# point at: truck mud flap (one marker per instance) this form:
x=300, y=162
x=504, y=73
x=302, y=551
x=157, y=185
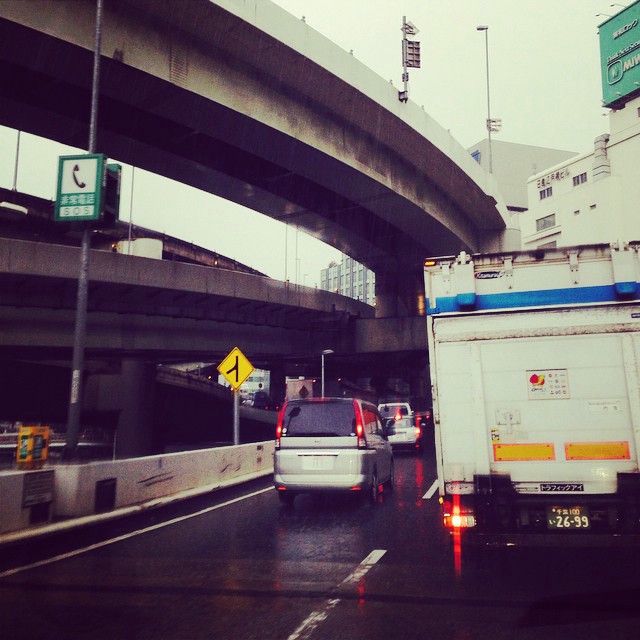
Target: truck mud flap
x=629, y=492
x=494, y=502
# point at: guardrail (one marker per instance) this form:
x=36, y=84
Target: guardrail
x=32, y=498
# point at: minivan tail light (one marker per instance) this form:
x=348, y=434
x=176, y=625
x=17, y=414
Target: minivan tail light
x=362, y=443
x=279, y=426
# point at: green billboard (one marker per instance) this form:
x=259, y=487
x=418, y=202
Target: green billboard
x=620, y=56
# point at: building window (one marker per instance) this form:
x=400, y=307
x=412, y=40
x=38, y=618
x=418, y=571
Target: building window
x=546, y=222
x=548, y=245
x=546, y=193
x=580, y=179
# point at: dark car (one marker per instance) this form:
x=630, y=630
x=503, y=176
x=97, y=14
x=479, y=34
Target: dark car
x=262, y=400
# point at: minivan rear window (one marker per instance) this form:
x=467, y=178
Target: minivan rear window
x=319, y=419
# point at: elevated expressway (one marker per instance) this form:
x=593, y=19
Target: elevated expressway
x=241, y=99
x=145, y=311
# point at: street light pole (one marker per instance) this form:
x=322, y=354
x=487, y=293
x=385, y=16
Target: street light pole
x=485, y=28
x=75, y=399
x=326, y=352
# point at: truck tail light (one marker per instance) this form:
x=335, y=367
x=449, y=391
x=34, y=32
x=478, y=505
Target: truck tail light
x=457, y=517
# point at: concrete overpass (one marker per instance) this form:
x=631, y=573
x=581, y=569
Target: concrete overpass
x=145, y=311
x=243, y=100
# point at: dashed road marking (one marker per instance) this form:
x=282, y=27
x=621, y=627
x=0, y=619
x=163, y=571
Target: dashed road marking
x=304, y=631
x=432, y=489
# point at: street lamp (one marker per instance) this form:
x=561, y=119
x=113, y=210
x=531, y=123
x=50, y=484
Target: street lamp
x=326, y=352
x=485, y=28
x=493, y=124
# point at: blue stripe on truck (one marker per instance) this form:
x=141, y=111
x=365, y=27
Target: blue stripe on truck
x=542, y=297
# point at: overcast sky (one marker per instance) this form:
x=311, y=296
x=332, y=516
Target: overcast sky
x=544, y=81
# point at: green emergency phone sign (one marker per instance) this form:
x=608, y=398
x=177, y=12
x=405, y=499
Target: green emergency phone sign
x=80, y=193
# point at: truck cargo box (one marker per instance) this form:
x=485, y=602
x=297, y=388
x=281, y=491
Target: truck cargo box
x=534, y=361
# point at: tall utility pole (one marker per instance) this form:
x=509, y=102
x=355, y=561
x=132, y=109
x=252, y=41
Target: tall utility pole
x=410, y=56
x=79, y=338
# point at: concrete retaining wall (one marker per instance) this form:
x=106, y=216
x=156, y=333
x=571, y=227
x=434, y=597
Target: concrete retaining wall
x=85, y=489
x=12, y=515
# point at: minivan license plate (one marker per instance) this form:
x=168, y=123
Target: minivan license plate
x=574, y=517
x=312, y=463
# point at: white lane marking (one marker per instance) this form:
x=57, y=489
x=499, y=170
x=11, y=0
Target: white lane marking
x=308, y=626
x=126, y=536
x=432, y=489
x=364, y=566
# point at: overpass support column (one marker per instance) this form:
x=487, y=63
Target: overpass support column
x=134, y=436
x=399, y=293
x=420, y=386
x=277, y=386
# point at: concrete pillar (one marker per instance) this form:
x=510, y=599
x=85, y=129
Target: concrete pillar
x=421, y=388
x=134, y=436
x=399, y=293
x=277, y=383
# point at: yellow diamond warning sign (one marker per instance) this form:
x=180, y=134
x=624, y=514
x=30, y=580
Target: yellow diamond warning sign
x=235, y=368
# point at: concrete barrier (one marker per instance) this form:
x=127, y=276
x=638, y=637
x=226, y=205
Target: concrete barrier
x=99, y=487
x=13, y=515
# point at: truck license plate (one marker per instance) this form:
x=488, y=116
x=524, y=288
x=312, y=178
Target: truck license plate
x=574, y=517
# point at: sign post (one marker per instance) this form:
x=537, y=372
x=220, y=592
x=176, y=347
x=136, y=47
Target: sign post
x=77, y=365
x=235, y=368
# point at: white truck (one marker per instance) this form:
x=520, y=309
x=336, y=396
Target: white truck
x=535, y=374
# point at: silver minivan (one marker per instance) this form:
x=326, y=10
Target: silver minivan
x=331, y=444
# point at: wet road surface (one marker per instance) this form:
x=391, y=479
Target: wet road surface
x=235, y=567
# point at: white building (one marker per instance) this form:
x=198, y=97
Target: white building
x=593, y=197
x=349, y=278
x=513, y=163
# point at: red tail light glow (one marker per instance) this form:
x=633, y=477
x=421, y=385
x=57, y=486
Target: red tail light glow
x=279, y=426
x=362, y=442
x=455, y=517
x=398, y=416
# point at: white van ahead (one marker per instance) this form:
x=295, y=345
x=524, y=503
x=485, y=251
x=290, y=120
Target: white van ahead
x=331, y=444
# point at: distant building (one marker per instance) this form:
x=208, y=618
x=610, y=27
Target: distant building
x=349, y=278
x=513, y=164
x=259, y=380
x=593, y=197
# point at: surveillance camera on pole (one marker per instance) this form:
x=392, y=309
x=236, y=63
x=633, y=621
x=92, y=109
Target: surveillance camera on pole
x=410, y=55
